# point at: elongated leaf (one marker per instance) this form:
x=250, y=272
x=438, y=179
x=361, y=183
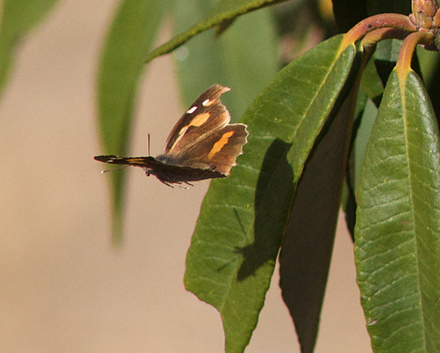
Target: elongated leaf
x=385, y=57
x=131, y=36
x=371, y=82
x=225, y=12
x=309, y=236
x=203, y=60
x=238, y=234
x=397, y=244
x=349, y=203
x=17, y=19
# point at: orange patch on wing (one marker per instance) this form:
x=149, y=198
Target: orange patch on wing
x=199, y=119
x=220, y=144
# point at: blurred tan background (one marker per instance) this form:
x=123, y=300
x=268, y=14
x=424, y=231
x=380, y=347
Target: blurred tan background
x=63, y=287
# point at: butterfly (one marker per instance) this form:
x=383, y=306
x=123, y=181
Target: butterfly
x=202, y=144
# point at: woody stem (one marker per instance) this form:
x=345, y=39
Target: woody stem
x=387, y=20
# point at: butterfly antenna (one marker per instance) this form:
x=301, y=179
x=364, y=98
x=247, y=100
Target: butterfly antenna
x=148, y=142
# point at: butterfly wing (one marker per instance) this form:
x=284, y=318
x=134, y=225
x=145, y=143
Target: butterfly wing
x=217, y=151
x=227, y=145
x=143, y=162
x=166, y=173
x=203, y=137
x=204, y=116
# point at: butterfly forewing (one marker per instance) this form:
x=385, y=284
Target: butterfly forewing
x=143, y=162
x=205, y=115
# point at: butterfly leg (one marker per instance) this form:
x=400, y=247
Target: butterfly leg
x=167, y=184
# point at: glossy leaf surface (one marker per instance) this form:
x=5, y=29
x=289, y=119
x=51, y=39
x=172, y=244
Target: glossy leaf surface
x=397, y=244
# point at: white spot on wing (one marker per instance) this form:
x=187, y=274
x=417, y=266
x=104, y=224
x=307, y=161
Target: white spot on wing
x=191, y=110
x=206, y=102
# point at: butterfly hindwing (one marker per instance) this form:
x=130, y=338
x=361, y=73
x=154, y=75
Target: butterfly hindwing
x=227, y=146
x=218, y=151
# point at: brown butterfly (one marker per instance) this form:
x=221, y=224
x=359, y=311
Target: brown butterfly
x=202, y=144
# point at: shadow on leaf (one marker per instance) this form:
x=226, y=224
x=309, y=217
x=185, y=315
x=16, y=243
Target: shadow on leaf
x=272, y=205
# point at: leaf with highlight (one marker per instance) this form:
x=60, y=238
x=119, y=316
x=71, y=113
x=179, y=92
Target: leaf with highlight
x=397, y=245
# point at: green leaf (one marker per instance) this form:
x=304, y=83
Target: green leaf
x=397, y=233
x=131, y=36
x=17, y=19
x=385, y=57
x=429, y=62
x=203, y=61
x=309, y=236
x=371, y=82
x=242, y=220
x=361, y=115
x=225, y=12
x=362, y=136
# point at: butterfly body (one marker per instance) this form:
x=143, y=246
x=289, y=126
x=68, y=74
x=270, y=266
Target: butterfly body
x=202, y=144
